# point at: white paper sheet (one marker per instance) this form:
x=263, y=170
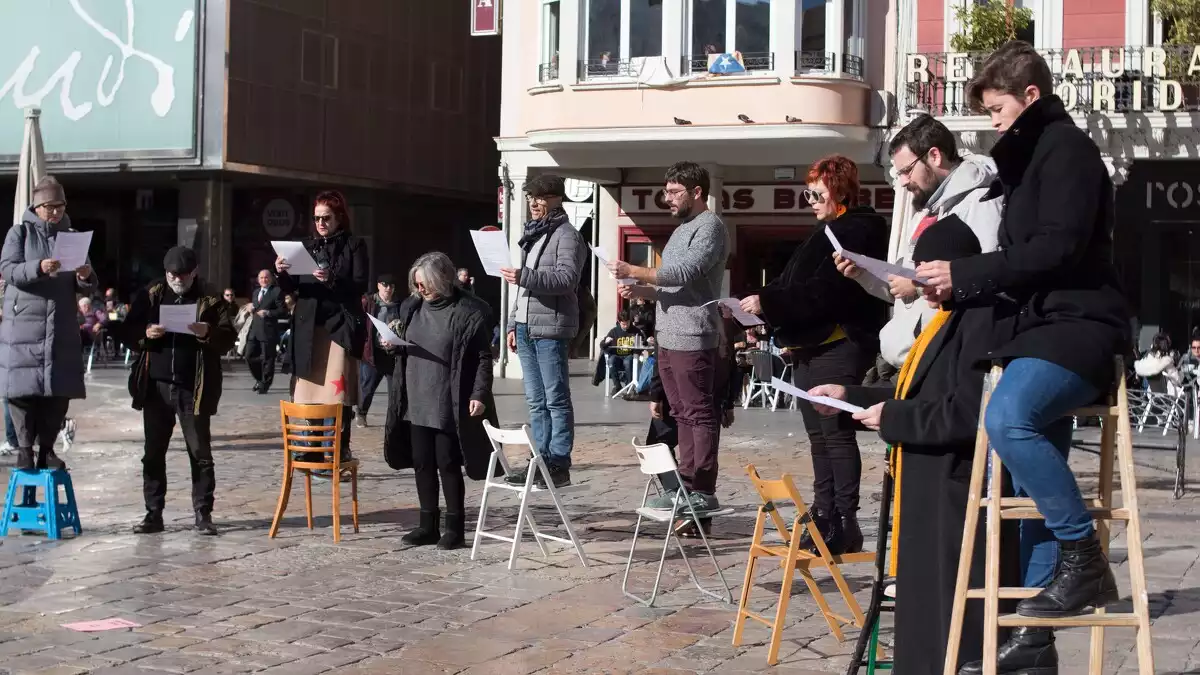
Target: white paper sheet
x=822, y=400
x=177, y=318
x=389, y=336
x=735, y=308
x=297, y=257
x=873, y=266
x=602, y=256
x=71, y=249
x=492, y=247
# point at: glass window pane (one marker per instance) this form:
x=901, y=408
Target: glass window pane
x=604, y=29
x=848, y=25
x=550, y=28
x=753, y=26
x=812, y=38
x=645, y=28
x=708, y=27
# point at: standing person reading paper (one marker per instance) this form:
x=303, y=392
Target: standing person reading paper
x=1060, y=319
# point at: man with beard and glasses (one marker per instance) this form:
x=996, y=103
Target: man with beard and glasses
x=942, y=184
x=178, y=375
x=688, y=327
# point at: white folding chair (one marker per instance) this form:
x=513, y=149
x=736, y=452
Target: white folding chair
x=655, y=460
x=500, y=438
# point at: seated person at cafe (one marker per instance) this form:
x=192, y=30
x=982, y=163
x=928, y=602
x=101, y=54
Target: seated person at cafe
x=91, y=322
x=930, y=419
x=619, y=345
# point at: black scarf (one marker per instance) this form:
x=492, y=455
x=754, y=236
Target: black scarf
x=534, y=229
x=327, y=251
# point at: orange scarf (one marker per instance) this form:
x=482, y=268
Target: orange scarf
x=903, y=382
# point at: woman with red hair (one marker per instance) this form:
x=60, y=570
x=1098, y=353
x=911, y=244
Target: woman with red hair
x=328, y=327
x=831, y=327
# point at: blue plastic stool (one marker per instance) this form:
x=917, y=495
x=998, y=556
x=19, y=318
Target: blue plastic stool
x=50, y=516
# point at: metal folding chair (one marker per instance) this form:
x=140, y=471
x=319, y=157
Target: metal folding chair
x=655, y=460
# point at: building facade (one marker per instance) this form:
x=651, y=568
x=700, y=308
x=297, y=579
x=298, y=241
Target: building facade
x=1136, y=94
x=612, y=92
x=214, y=123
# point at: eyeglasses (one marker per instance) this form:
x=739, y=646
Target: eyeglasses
x=675, y=192
x=813, y=196
x=534, y=200
x=912, y=165
x=55, y=207
x=322, y=219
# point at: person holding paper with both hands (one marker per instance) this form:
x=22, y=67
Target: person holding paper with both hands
x=831, y=327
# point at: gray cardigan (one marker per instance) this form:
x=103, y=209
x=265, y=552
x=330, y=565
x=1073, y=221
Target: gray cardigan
x=547, y=299
x=693, y=267
x=41, y=353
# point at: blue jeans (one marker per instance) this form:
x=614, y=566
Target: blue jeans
x=548, y=394
x=646, y=374
x=1024, y=423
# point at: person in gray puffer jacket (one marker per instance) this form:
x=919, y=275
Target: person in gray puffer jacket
x=543, y=321
x=41, y=354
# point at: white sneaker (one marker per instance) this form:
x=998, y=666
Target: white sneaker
x=67, y=435
x=6, y=449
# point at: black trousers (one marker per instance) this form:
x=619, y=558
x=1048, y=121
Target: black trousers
x=837, y=465
x=260, y=356
x=437, y=453
x=37, y=420
x=164, y=404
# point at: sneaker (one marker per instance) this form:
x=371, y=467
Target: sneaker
x=560, y=475
x=517, y=477
x=701, y=503
x=6, y=449
x=204, y=526
x=67, y=435
x=360, y=419
x=664, y=501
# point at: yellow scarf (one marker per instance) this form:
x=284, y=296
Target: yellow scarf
x=903, y=382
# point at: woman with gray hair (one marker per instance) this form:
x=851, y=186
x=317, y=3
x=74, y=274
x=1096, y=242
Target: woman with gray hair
x=441, y=392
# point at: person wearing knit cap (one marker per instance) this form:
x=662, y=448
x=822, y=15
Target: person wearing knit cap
x=41, y=354
x=178, y=376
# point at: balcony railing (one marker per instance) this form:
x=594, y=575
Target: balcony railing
x=548, y=72
x=852, y=65
x=605, y=69
x=939, y=86
x=816, y=62
x=753, y=62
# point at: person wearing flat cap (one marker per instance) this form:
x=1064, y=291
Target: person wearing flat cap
x=41, y=354
x=178, y=376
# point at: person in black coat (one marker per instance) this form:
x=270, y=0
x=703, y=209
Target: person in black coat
x=440, y=394
x=1060, y=319
x=267, y=308
x=930, y=420
x=328, y=325
x=831, y=327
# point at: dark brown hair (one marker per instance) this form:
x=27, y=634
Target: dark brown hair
x=1012, y=68
x=840, y=176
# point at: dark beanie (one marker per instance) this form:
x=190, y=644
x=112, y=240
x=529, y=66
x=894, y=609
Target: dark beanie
x=48, y=190
x=947, y=239
x=180, y=260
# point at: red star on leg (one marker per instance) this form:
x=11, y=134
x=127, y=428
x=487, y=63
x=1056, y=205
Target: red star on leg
x=339, y=386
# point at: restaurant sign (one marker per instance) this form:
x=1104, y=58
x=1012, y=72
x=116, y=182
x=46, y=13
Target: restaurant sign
x=751, y=199
x=1102, y=79
x=485, y=17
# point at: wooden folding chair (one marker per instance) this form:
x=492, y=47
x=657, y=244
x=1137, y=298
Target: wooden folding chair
x=793, y=560
x=1116, y=455
x=305, y=429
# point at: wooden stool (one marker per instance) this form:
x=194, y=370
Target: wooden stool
x=304, y=431
x=1116, y=438
x=793, y=560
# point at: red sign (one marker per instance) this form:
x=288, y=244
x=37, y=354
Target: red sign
x=485, y=17
x=760, y=199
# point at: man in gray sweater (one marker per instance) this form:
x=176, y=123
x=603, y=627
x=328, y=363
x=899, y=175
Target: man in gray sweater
x=687, y=328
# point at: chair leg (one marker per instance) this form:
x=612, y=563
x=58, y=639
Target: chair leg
x=566, y=521
x=785, y=596
x=739, y=626
x=337, y=506
x=308, y=497
x=522, y=514
x=284, y=493
x=648, y=602
x=354, y=496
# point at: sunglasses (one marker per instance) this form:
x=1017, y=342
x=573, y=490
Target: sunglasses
x=814, y=196
x=322, y=219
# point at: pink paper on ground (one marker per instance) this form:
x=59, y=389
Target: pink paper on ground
x=103, y=624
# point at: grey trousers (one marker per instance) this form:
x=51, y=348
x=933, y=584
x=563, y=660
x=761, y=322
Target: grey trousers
x=38, y=419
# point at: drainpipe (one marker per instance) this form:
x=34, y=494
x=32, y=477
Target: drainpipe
x=507, y=183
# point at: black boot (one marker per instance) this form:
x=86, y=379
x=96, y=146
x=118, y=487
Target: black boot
x=25, y=459
x=427, y=533
x=48, y=460
x=830, y=530
x=1030, y=651
x=151, y=524
x=1084, y=580
x=204, y=525
x=453, y=538
x=852, y=536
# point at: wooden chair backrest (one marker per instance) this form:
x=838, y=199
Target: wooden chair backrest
x=771, y=492
x=305, y=428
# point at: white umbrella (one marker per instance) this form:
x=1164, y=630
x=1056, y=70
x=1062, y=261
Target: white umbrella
x=32, y=166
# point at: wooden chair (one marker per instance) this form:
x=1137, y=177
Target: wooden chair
x=793, y=560
x=1116, y=443
x=306, y=429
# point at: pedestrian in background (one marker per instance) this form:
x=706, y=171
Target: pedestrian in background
x=439, y=396
x=41, y=355
x=378, y=360
x=178, y=377
x=266, y=307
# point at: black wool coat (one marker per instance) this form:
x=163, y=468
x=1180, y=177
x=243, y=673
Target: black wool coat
x=335, y=306
x=936, y=425
x=810, y=298
x=1053, y=283
x=470, y=380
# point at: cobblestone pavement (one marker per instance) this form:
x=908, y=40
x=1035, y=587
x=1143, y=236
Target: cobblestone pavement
x=299, y=604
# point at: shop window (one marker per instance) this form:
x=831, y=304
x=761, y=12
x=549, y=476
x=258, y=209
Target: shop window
x=618, y=31
x=642, y=254
x=551, y=31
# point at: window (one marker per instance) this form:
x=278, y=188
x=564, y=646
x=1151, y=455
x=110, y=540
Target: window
x=727, y=26
x=319, y=59
x=617, y=31
x=708, y=27
x=752, y=33
x=548, y=70
x=852, y=29
x=812, y=35
x=1029, y=33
